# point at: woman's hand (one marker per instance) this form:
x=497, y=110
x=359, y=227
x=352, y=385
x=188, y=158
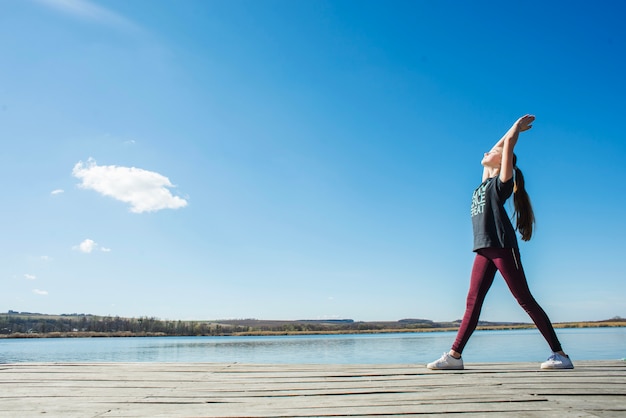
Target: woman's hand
x=525, y=123
x=508, y=143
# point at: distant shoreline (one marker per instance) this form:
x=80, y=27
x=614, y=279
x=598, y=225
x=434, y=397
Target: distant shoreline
x=251, y=333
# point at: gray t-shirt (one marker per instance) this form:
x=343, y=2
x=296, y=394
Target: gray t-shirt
x=492, y=225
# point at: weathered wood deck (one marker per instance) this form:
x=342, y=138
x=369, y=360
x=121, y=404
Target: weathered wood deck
x=594, y=388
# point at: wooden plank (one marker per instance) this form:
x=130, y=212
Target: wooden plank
x=594, y=388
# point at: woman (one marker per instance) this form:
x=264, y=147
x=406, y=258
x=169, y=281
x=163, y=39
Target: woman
x=495, y=244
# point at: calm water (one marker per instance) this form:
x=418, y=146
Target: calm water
x=484, y=346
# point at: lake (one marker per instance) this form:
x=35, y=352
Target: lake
x=399, y=348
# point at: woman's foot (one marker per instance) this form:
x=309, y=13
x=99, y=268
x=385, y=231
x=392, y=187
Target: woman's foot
x=558, y=360
x=446, y=362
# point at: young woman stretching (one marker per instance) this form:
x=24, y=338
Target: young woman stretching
x=495, y=244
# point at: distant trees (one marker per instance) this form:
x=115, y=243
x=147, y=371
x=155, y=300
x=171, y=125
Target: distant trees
x=18, y=324
x=26, y=324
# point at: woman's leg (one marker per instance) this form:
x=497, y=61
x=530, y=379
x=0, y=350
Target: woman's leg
x=508, y=262
x=483, y=272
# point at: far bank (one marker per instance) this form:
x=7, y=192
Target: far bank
x=26, y=325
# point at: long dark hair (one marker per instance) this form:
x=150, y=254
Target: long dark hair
x=524, y=215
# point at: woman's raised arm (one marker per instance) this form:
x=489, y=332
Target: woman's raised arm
x=510, y=139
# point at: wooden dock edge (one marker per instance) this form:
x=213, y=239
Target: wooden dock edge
x=592, y=389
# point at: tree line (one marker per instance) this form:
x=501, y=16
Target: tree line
x=25, y=324
x=20, y=325
x=15, y=324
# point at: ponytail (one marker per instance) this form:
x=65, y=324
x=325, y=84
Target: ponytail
x=524, y=214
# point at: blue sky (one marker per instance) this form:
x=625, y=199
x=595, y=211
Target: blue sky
x=304, y=159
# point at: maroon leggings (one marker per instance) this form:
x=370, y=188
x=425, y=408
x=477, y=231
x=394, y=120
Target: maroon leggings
x=507, y=261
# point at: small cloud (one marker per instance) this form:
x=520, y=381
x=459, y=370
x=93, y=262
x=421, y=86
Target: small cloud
x=145, y=191
x=130, y=142
x=40, y=292
x=46, y=258
x=86, y=246
x=30, y=276
x=56, y=192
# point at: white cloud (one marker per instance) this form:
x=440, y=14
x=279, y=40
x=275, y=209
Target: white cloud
x=30, y=276
x=86, y=246
x=87, y=10
x=46, y=258
x=40, y=292
x=145, y=191
x=56, y=192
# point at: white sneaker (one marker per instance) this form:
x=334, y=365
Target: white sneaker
x=557, y=361
x=446, y=362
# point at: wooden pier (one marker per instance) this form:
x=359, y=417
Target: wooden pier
x=593, y=389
